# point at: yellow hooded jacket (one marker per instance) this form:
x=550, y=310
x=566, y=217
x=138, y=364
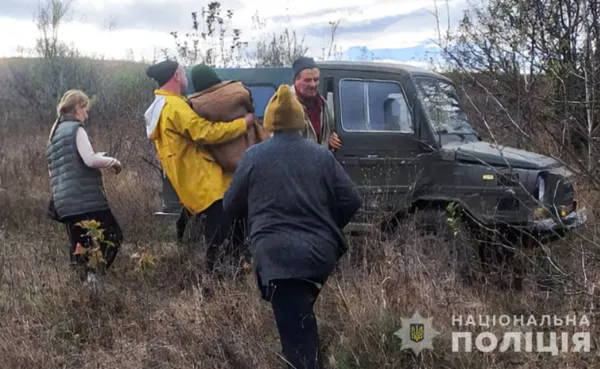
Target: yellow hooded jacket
x=180, y=136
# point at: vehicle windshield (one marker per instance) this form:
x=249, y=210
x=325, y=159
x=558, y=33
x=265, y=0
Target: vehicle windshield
x=442, y=107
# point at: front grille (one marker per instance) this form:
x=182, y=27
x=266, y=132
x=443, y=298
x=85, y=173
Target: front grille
x=568, y=190
x=563, y=193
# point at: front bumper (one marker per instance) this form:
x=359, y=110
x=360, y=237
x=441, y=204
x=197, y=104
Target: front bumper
x=571, y=221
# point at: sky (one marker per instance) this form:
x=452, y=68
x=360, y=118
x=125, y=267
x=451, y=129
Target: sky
x=385, y=30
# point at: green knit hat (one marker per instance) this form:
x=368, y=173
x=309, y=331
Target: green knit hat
x=204, y=77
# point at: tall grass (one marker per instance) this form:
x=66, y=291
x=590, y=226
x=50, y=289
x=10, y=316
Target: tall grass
x=176, y=316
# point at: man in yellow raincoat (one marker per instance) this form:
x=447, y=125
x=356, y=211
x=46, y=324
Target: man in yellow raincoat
x=180, y=137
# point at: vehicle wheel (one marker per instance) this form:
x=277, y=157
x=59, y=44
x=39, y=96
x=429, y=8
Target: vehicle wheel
x=503, y=258
x=457, y=238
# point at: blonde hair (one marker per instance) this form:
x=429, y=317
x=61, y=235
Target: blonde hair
x=69, y=102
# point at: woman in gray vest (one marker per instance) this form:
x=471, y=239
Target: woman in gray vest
x=76, y=183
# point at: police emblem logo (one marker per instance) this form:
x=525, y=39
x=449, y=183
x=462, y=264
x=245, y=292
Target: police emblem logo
x=417, y=332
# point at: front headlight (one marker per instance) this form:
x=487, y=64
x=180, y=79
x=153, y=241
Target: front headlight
x=540, y=187
x=562, y=172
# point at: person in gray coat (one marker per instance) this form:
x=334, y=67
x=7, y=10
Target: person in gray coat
x=298, y=199
x=77, y=188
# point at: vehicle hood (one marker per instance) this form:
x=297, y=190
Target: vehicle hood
x=484, y=152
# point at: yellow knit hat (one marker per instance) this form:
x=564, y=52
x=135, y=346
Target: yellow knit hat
x=284, y=112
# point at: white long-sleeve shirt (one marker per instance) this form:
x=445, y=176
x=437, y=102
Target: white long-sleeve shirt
x=91, y=158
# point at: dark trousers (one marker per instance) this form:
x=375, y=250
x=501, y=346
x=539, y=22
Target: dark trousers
x=218, y=229
x=112, y=233
x=181, y=224
x=293, y=303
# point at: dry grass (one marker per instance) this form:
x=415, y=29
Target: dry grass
x=177, y=317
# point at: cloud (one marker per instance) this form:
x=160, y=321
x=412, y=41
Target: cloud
x=22, y=34
x=19, y=9
x=372, y=26
x=397, y=29
x=155, y=15
x=307, y=9
x=415, y=53
x=313, y=15
x=317, y=11
x=111, y=27
x=354, y=15
x=87, y=38
x=108, y=27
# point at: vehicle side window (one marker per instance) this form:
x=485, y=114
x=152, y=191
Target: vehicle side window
x=261, y=95
x=374, y=106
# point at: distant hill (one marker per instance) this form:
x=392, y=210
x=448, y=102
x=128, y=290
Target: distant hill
x=6, y=63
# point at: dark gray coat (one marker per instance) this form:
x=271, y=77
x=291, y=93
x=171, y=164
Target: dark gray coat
x=298, y=199
x=76, y=188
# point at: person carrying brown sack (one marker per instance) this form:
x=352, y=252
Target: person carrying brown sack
x=224, y=101
x=181, y=138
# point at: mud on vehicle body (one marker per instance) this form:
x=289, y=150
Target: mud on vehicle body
x=408, y=145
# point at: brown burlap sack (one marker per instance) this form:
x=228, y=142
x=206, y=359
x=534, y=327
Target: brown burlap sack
x=224, y=102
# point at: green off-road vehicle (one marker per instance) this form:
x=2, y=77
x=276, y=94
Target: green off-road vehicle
x=408, y=145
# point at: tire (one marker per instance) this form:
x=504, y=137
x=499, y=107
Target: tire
x=462, y=249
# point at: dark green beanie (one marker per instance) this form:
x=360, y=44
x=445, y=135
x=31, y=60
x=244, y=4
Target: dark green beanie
x=204, y=77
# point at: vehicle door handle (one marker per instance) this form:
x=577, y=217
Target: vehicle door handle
x=370, y=160
x=348, y=160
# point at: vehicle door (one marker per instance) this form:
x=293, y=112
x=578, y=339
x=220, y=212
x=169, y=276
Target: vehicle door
x=375, y=123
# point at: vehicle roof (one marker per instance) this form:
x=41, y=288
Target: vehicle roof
x=251, y=76
x=284, y=75
x=380, y=67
